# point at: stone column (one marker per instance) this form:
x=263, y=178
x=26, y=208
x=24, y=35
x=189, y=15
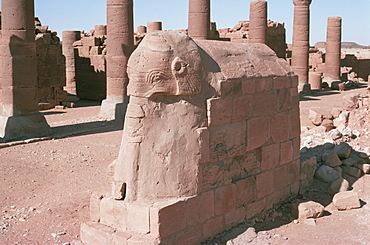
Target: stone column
x=333, y=50
x=301, y=44
x=69, y=37
x=154, y=26
x=20, y=116
x=199, y=19
x=120, y=43
x=141, y=29
x=258, y=21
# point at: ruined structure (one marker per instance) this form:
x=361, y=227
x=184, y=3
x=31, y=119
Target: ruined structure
x=90, y=64
x=199, y=19
x=19, y=115
x=258, y=21
x=333, y=50
x=300, y=45
x=211, y=138
x=120, y=43
x=275, y=36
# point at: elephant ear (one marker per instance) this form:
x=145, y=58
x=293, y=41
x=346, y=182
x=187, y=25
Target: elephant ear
x=188, y=81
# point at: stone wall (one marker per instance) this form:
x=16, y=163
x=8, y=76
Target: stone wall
x=90, y=66
x=51, y=71
x=275, y=35
x=199, y=157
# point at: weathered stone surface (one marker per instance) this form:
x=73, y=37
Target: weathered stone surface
x=338, y=186
x=352, y=171
x=310, y=209
x=346, y=200
x=315, y=117
x=327, y=174
x=343, y=150
x=364, y=167
x=331, y=159
x=328, y=124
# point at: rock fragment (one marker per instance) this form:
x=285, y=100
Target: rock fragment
x=310, y=209
x=346, y=200
x=327, y=174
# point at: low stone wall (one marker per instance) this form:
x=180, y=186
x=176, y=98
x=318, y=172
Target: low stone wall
x=211, y=139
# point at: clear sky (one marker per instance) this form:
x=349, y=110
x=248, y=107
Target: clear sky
x=84, y=14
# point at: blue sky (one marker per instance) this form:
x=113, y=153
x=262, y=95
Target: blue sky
x=84, y=14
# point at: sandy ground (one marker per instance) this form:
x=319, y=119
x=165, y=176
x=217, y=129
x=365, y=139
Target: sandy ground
x=46, y=185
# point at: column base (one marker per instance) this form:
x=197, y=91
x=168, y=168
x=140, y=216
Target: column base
x=304, y=87
x=111, y=110
x=24, y=126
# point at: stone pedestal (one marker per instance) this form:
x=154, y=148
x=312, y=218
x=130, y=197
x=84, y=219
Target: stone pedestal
x=141, y=29
x=301, y=45
x=199, y=19
x=19, y=116
x=69, y=37
x=258, y=22
x=120, y=42
x=333, y=50
x=315, y=80
x=154, y=26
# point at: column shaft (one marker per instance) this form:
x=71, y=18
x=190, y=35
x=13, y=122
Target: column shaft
x=199, y=19
x=69, y=37
x=120, y=43
x=301, y=45
x=258, y=22
x=154, y=26
x=333, y=49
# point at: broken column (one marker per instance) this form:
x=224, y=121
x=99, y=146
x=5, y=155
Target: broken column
x=69, y=37
x=199, y=19
x=154, y=26
x=20, y=116
x=301, y=45
x=120, y=42
x=258, y=21
x=333, y=50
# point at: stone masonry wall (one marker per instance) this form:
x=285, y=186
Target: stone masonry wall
x=90, y=66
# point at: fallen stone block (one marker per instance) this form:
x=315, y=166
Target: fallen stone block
x=331, y=159
x=346, y=200
x=327, y=174
x=343, y=150
x=339, y=185
x=311, y=222
x=310, y=209
x=315, y=117
x=335, y=134
x=328, y=124
x=352, y=171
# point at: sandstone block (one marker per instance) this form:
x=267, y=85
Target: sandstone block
x=95, y=207
x=346, y=200
x=286, y=152
x=338, y=186
x=365, y=168
x=96, y=233
x=212, y=227
x=200, y=208
x=138, y=218
x=219, y=111
x=265, y=184
x=246, y=191
x=315, y=117
x=270, y=157
x=310, y=209
x=279, y=130
x=162, y=218
x=113, y=213
x=343, y=150
x=225, y=199
x=331, y=159
x=328, y=124
x=235, y=217
x=258, y=131
x=327, y=174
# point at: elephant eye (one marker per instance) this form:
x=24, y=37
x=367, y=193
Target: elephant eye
x=157, y=77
